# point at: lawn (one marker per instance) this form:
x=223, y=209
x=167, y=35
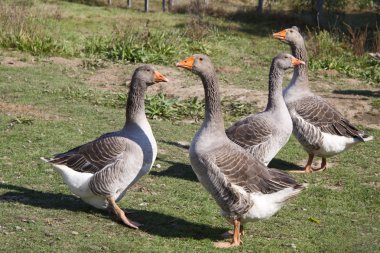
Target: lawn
x=48, y=107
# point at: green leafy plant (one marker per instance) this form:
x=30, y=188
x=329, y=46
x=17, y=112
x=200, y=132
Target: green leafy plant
x=143, y=46
x=328, y=51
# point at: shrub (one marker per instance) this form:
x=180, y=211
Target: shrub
x=329, y=51
x=143, y=46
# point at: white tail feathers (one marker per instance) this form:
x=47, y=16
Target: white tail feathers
x=368, y=138
x=44, y=159
x=289, y=193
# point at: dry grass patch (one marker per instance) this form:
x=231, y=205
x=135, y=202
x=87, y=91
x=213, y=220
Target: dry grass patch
x=18, y=110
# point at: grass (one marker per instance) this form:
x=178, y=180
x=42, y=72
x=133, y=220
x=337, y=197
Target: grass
x=57, y=110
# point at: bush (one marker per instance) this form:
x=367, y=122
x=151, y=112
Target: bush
x=329, y=50
x=143, y=46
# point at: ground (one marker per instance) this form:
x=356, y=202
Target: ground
x=356, y=105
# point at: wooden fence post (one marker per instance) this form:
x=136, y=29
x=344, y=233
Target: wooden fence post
x=129, y=3
x=163, y=5
x=146, y=5
x=170, y=7
x=109, y=2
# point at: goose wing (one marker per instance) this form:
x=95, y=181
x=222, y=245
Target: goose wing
x=93, y=156
x=321, y=114
x=242, y=169
x=249, y=132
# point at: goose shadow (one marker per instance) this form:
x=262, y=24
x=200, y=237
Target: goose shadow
x=284, y=165
x=154, y=223
x=173, y=227
x=177, y=144
x=176, y=170
x=366, y=93
x=41, y=199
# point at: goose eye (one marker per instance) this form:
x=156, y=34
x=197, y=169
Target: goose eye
x=291, y=31
x=148, y=70
x=201, y=59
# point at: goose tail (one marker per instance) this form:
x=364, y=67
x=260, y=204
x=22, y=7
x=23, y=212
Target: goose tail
x=45, y=159
x=367, y=137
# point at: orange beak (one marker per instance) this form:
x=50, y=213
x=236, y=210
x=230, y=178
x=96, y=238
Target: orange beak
x=297, y=62
x=280, y=35
x=158, y=77
x=187, y=63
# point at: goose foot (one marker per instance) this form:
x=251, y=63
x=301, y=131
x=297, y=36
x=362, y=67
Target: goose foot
x=230, y=233
x=309, y=169
x=121, y=215
x=235, y=240
x=323, y=165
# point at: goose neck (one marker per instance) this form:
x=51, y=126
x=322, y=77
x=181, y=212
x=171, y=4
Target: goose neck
x=135, y=110
x=213, y=112
x=275, y=98
x=299, y=51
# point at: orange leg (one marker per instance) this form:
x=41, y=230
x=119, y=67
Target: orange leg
x=323, y=165
x=307, y=168
x=120, y=213
x=236, y=237
x=230, y=233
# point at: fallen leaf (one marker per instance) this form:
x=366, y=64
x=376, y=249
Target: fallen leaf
x=314, y=220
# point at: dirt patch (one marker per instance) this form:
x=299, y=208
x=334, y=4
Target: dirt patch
x=66, y=62
x=183, y=85
x=26, y=110
x=374, y=184
x=14, y=62
x=113, y=77
x=228, y=69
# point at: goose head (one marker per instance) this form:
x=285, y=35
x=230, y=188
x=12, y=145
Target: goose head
x=289, y=36
x=198, y=64
x=286, y=61
x=148, y=75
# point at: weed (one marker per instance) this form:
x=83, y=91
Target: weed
x=376, y=103
x=20, y=121
x=160, y=107
x=142, y=47
x=25, y=30
x=358, y=39
x=93, y=64
x=327, y=51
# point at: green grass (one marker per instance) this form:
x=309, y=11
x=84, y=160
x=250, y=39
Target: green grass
x=39, y=214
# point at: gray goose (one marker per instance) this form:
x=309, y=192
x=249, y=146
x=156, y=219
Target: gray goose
x=243, y=187
x=318, y=126
x=265, y=133
x=101, y=171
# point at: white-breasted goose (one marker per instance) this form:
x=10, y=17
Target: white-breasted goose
x=243, y=187
x=317, y=125
x=101, y=171
x=265, y=133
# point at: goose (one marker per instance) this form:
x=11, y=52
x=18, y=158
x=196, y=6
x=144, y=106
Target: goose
x=265, y=133
x=317, y=125
x=243, y=187
x=101, y=171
